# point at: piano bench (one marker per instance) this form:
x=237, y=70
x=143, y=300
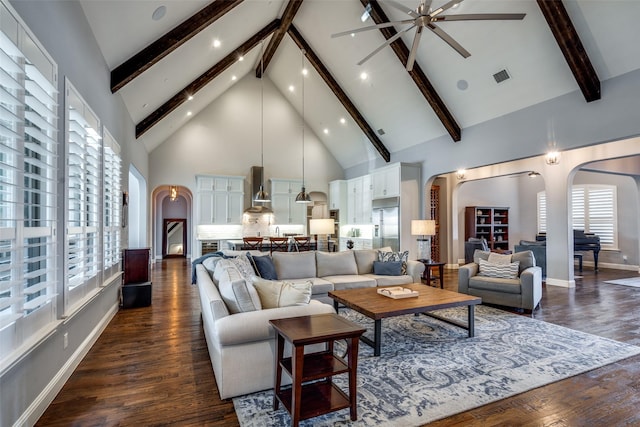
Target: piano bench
x=579, y=258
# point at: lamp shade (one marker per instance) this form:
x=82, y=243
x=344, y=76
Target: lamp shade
x=423, y=227
x=321, y=226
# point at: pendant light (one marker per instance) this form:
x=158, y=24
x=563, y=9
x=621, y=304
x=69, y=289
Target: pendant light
x=261, y=195
x=303, y=196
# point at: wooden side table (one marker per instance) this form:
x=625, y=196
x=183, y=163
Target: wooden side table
x=427, y=276
x=306, y=399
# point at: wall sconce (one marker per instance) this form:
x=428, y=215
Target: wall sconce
x=460, y=174
x=552, y=158
x=173, y=193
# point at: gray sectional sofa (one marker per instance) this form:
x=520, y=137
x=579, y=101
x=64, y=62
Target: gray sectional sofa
x=242, y=343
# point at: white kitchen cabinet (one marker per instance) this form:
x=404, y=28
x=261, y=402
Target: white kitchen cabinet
x=283, y=202
x=220, y=199
x=359, y=200
x=338, y=195
x=386, y=182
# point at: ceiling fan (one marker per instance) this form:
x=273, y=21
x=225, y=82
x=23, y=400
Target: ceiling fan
x=426, y=17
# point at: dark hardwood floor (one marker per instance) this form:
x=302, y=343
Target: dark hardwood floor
x=151, y=365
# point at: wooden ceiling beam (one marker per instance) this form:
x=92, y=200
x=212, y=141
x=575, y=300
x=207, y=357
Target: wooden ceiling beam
x=286, y=20
x=571, y=46
x=150, y=55
x=338, y=92
x=419, y=77
x=204, y=79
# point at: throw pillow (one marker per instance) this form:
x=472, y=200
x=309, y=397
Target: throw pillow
x=238, y=294
x=502, y=271
x=388, y=268
x=243, y=265
x=496, y=258
x=210, y=264
x=395, y=256
x=274, y=294
x=264, y=267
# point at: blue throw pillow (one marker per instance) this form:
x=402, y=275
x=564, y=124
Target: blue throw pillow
x=264, y=267
x=387, y=268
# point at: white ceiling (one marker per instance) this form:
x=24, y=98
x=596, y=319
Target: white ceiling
x=388, y=98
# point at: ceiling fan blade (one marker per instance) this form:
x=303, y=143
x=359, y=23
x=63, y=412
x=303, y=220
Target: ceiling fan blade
x=385, y=44
x=414, y=49
x=371, y=27
x=403, y=8
x=449, y=40
x=444, y=7
x=480, y=17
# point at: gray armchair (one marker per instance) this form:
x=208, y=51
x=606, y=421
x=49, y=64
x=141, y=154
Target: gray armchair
x=523, y=292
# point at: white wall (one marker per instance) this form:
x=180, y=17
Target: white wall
x=224, y=139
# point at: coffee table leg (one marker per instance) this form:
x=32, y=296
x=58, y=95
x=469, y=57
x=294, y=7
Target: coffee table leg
x=471, y=322
x=377, y=336
x=335, y=306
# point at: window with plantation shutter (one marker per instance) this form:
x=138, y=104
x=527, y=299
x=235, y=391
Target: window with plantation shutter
x=28, y=176
x=593, y=209
x=112, y=206
x=84, y=206
x=542, y=212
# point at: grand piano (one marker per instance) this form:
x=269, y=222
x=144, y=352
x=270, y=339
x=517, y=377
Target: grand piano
x=582, y=242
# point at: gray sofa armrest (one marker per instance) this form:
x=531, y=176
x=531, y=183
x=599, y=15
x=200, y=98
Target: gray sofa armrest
x=531, y=284
x=415, y=270
x=465, y=273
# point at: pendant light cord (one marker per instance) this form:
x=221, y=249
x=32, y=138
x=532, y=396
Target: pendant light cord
x=303, y=124
x=262, y=108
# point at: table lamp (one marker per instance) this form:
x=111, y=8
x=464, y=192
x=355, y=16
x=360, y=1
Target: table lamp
x=423, y=227
x=322, y=228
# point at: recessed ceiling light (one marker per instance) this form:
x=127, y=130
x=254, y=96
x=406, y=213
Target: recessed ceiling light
x=159, y=13
x=305, y=71
x=216, y=43
x=241, y=58
x=233, y=78
x=462, y=84
x=190, y=97
x=363, y=76
x=326, y=131
x=343, y=120
x=291, y=88
x=353, y=34
x=189, y=113
x=145, y=105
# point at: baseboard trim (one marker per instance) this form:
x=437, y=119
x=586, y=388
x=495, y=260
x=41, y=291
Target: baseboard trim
x=48, y=394
x=561, y=283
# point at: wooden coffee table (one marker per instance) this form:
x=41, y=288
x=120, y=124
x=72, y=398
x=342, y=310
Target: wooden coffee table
x=376, y=307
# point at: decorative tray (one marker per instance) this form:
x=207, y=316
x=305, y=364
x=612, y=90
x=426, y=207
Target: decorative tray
x=397, y=292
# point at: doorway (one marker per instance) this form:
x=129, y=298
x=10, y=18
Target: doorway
x=174, y=238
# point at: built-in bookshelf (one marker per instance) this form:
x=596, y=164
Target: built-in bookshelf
x=490, y=223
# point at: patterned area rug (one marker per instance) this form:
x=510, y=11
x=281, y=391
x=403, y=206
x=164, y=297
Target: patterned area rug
x=631, y=281
x=430, y=370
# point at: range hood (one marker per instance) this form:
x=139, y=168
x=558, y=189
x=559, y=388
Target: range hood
x=255, y=179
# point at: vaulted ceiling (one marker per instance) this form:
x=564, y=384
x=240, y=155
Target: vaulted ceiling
x=163, y=52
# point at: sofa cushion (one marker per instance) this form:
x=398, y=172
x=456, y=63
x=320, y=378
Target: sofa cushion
x=351, y=281
x=295, y=265
x=238, y=294
x=495, y=284
x=264, y=266
x=503, y=271
x=390, y=280
x=320, y=286
x=365, y=259
x=336, y=263
x=274, y=294
x=496, y=258
x=388, y=268
x=526, y=259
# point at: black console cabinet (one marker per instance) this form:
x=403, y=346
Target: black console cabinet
x=136, y=284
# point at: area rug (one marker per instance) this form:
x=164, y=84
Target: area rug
x=631, y=281
x=430, y=370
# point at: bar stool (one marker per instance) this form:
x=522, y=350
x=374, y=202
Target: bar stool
x=302, y=243
x=279, y=244
x=252, y=243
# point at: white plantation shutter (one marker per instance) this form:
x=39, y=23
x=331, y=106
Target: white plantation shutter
x=593, y=209
x=84, y=192
x=542, y=212
x=28, y=174
x=112, y=204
